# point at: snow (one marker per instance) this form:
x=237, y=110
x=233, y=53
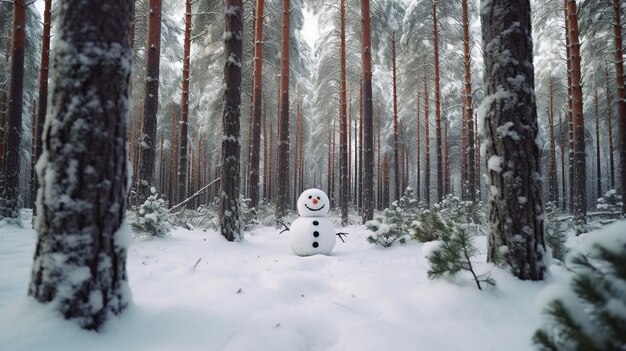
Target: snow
x=257, y=295
x=495, y=163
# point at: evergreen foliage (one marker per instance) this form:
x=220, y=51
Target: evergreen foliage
x=453, y=256
x=595, y=318
x=390, y=228
x=430, y=226
x=556, y=227
x=612, y=203
x=152, y=218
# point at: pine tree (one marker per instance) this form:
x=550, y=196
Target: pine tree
x=80, y=257
x=184, y=112
x=282, y=196
x=230, y=206
x=588, y=317
x=515, y=201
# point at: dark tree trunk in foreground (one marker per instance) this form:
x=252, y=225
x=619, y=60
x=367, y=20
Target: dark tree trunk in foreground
x=230, y=211
x=184, y=106
x=515, y=203
x=11, y=192
x=257, y=99
x=147, y=157
x=80, y=258
x=282, y=196
x=580, y=171
x=43, y=86
x=368, y=113
x=621, y=93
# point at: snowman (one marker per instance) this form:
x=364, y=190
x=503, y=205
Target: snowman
x=313, y=233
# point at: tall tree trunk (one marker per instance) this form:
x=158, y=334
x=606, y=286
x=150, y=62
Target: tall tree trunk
x=33, y=160
x=418, y=171
x=426, y=140
x=621, y=93
x=257, y=98
x=609, y=121
x=43, y=85
x=174, y=157
x=572, y=187
x=379, y=169
x=90, y=282
x=568, y=61
x=563, y=148
x=265, y=155
x=553, y=191
x=150, y=103
x=598, y=163
x=14, y=121
x=368, y=113
x=282, y=197
x=296, y=165
x=438, y=138
x=447, y=187
x=468, y=106
x=396, y=168
x=230, y=211
x=516, y=236
x=343, y=122
x=580, y=173
x=184, y=105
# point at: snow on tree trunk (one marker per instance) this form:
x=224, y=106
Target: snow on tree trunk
x=282, y=196
x=11, y=191
x=80, y=257
x=509, y=123
x=230, y=207
x=147, y=158
x=368, y=113
x=621, y=93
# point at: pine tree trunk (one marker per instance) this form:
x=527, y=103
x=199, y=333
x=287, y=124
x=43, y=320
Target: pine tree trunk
x=257, y=99
x=174, y=156
x=553, y=191
x=515, y=202
x=438, y=138
x=230, y=211
x=282, y=197
x=447, y=159
x=598, y=163
x=265, y=155
x=609, y=121
x=621, y=94
x=426, y=141
x=43, y=85
x=563, y=148
x=379, y=169
x=11, y=190
x=396, y=168
x=343, y=122
x=368, y=113
x=80, y=257
x=296, y=165
x=33, y=148
x=184, y=105
x=580, y=173
x=568, y=61
x=151, y=103
x=419, y=151
x=468, y=107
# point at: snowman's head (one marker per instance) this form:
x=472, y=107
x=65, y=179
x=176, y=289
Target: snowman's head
x=313, y=203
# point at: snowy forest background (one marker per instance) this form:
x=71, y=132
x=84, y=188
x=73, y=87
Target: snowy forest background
x=446, y=203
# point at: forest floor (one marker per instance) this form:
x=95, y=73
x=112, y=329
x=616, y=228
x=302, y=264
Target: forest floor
x=257, y=295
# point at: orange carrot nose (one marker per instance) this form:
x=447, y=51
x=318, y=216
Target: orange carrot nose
x=315, y=201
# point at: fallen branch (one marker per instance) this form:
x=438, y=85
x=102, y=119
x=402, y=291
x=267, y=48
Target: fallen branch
x=173, y=209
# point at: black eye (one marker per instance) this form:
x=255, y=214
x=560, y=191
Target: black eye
x=310, y=196
x=318, y=198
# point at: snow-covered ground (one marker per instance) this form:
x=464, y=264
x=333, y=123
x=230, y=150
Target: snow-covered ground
x=257, y=295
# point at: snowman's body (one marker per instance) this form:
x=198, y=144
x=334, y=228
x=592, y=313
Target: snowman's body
x=313, y=233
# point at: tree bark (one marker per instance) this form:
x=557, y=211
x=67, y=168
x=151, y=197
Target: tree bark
x=257, y=98
x=184, y=105
x=438, y=138
x=468, y=106
x=552, y=184
x=80, y=257
x=580, y=172
x=621, y=94
x=396, y=167
x=419, y=151
x=609, y=122
x=368, y=113
x=426, y=140
x=343, y=122
x=282, y=197
x=516, y=236
x=230, y=207
x=563, y=148
x=12, y=201
x=598, y=163
x=150, y=103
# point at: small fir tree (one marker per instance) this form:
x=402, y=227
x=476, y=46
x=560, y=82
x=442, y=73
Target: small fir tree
x=453, y=256
x=611, y=203
x=390, y=228
x=593, y=318
x=556, y=227
x=430, y=226
x=153, y=217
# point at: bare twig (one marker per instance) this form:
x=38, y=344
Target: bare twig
x=173, y=209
